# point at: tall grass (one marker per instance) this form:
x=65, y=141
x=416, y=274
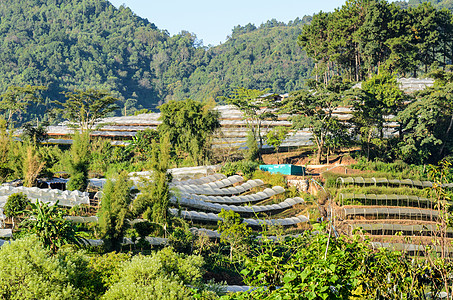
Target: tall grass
x=395, y=170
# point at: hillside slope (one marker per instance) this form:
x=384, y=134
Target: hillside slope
x=76, y=44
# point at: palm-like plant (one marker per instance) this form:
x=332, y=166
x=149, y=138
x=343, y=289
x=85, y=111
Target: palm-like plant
x=49, y=225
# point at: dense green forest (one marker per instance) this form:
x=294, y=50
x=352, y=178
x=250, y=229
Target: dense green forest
x=81, y=44
x=67, y=45
x=360, y=37
x=436, y=3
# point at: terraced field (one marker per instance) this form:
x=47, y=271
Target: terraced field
x=198, y=200
x=389, y=219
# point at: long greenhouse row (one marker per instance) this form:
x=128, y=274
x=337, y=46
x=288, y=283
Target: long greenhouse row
x=385, y=200
x=389, y=182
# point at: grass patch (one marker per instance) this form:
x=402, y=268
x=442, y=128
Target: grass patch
x=395, y=170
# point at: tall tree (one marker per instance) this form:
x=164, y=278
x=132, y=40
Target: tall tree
x=78, y=162
x=256, y=106
x=115, y=210
x=16, y=99
x=384, y=98
x=313, y=109
x=344, y=26
x=189, y=125
x=84, y=108
x=154, y=200
x=427, y=125
x=373, y=35
x=315, y=40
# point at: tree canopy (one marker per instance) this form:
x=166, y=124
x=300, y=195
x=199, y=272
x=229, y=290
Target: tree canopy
x=361, y=36
x=189, y=125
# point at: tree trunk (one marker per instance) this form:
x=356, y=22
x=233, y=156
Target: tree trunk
x=319, y=155
x=327, y=156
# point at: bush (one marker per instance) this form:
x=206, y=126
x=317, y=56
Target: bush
x=108, y=266
x=271, y=179
x=162, y=275
x=15, y=204
x=245, y=167
x=27, y=271
x=397, y=169
x=181, y=239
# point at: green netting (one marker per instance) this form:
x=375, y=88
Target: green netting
x=391, y=229
x=411, y=249
x=390, y=213
x=381, y=181
x=385, y=200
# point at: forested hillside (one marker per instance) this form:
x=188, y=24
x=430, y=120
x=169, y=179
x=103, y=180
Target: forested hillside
x=436, y=3
x=78, y=44
x=359, y=38
x=261, y=57
x=66, y=44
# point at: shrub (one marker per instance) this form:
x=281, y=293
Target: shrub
x=15, y=205
x=245, y=167
x=27, y=271
x=162, y=275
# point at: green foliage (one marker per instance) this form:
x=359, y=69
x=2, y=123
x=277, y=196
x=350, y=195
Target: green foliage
x=162, y=275
x=106, y=159
x=154, y=200
x=314, y=110
x=15, y=101
x=15, y=205
x=426, y=126
x=115, y=211
x=360, y=36
x=233, y=231
x=78, y=162
x=108, y=266
x=189, y=125
x=84, y=108
x=48, y=224
x=397, y=169
x=308, y=267
x=244, y=167
x=181, y=239
x=321, y=266
x=142, y=142
x=29, y=272
x=81, y=274
x=380, y=96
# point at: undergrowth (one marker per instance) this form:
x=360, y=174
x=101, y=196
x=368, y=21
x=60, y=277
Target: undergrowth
x=395, y=170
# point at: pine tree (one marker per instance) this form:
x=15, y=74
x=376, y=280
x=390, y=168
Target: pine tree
x=79, y=162
x=115, y=211
x=154, y=200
